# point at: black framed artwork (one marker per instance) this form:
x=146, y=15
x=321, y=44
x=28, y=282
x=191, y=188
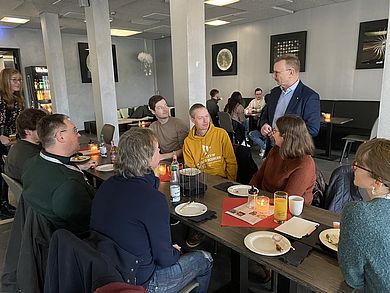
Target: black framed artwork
x=86, y=76
x=372, y=44
x=290, y=43
x=224, y=59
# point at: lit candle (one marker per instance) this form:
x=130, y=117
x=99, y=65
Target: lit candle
x=327, y=117
x=262, y=204
x=162, y=170
x=143, y=124
x=94, y=148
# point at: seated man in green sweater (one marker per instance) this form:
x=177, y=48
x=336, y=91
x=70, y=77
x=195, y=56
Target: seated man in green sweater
x=52, y=185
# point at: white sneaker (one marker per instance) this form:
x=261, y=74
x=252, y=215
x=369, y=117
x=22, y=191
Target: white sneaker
x=262, y=152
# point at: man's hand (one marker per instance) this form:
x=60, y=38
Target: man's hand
x=177, y=247
x=266, y=130
x=90, y=164
x=4, y=140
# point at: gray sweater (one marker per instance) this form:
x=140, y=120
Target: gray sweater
x=364, y=247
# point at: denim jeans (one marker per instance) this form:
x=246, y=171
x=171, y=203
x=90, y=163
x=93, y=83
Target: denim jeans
x=258, y=139
x=193, y=265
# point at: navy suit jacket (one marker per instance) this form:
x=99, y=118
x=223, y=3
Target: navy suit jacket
x=305, y=103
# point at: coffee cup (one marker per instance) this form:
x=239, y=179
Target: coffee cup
x=295, y=204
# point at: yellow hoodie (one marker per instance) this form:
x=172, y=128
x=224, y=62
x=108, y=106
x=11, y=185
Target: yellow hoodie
x=212, y=153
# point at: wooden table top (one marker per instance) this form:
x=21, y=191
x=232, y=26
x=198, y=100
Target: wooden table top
x=318, y=271
x=336, y=120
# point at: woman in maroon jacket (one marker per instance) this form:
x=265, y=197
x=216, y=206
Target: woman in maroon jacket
x=289, y=165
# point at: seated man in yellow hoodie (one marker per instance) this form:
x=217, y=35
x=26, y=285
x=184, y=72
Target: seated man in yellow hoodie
x=208, y=147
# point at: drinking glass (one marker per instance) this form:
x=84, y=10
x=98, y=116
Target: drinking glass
x=280, y=206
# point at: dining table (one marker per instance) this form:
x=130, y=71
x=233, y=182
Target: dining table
x=329, y=131
x=319, y=270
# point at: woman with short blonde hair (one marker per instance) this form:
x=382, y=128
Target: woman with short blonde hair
x=289, y=166
x=364, y=251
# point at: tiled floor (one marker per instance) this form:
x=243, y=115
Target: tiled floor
x=221, y=271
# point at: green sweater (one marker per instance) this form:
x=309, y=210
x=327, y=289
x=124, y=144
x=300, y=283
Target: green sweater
x=364, y=247
x=57, y=192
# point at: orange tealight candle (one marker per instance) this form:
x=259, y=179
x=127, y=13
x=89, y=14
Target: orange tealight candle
x=262, y=204
x=162, y=170
x=94, y=148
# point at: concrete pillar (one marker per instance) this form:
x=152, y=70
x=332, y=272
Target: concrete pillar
x=384, y=110
x=188, y=54
x=55, y=62
x=100, y=54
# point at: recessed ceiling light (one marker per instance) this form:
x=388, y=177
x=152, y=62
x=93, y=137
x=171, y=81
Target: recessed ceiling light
x=14, y=19
x=217, y=22
x=283, y=9
x=220, y=2
x=123, y=33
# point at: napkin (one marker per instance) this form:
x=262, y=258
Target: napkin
x=205, y=217
x=297, y=227
x=224, y=185
x=295, y=257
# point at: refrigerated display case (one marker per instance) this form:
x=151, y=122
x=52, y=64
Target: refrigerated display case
x=38, y=87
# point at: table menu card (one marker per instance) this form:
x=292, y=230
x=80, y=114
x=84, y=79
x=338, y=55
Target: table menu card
x=249, y=215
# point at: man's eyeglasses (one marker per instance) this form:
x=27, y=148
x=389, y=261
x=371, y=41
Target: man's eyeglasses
x=74, y=130
x=16, y=80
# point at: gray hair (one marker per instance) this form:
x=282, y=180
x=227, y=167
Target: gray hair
x=135, y=150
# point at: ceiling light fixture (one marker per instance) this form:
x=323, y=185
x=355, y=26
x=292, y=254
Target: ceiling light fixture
x=123, y=33
x=11, y=19
x=216, y=22
x=283, y=9
x=220, y=2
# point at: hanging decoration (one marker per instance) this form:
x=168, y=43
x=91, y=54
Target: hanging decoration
x=146, y=59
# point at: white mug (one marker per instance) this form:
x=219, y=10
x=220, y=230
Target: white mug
x=295, y=204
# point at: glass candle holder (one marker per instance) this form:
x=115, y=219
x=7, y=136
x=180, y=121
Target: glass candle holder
x=327, y=117
x=262, y=204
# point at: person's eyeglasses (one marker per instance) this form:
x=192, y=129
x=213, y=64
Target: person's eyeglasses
x=279, y=72
x=355, y=165
x=74, y=130
x=15, y=80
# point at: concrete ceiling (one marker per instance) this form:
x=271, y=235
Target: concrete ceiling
x=149, y=16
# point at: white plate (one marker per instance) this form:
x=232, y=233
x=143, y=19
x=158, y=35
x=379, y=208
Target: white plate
x=79, y=159
x=190, y=171
x=324, y=241
x=191, y=210
x=240, y=190
x=105, y=168
x=261, y=242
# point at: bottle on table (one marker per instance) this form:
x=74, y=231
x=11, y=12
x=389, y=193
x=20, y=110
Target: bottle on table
x=175, y=162
x=102, y=147
x=113, y=152
x=175, y=185
x=252, y=197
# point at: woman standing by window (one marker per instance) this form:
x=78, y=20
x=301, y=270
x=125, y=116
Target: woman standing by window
x=11, y=104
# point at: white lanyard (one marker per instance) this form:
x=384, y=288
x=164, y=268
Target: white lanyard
x=54, y=160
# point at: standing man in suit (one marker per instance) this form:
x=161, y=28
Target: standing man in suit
x=290, y=97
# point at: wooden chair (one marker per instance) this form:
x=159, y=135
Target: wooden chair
x=15, y=187
x=108, y=132
x=349, y=139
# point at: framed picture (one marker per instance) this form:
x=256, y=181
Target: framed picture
x=291, y=43
x=372, y=44
x=86, y=76
x=224, y=59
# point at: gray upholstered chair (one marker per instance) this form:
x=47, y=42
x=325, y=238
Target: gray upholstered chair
x=108, y=132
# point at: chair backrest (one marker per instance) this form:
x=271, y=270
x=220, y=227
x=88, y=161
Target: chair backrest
x=246, y=166
x=225, y=121
x=374, y=130
x=108, y=132
x=15, y=187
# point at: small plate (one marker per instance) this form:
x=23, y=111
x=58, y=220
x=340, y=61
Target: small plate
x=190, y=209
x=240, y=190
x=79, y=159
x=325, y=241
x=261, y=242
x=105, y=168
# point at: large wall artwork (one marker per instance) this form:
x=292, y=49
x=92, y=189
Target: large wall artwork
x=291, y=43
x=86, y=76
x=372, y=44
x=224, y=59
